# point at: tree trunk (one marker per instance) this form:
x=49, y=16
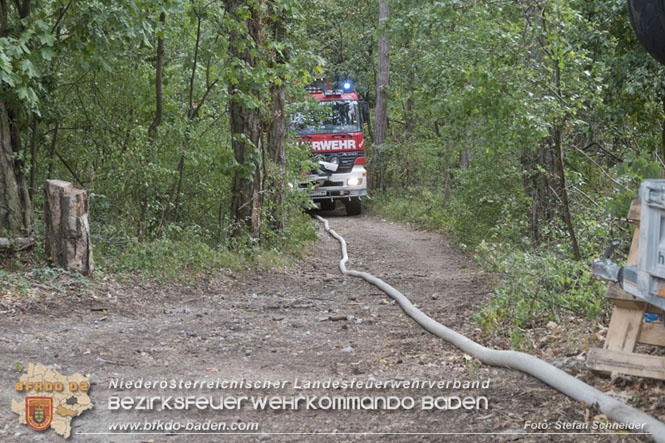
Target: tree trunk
x=15, y=206
x=465, y=159
x=245, y=128
x=446, y=166
x=409, y=117
x=67, y=228
x=383, y=80
x=246, y=132
x=277, y=127
x=662, y=152
x=277, y=151
x=176, y=204
x=52, y=151
x=446, y=172
x=381, y=116
x=565, y=206
x=530, y=183
x=159, y=66
x=33, y=156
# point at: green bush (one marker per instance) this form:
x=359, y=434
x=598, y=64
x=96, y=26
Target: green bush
x=169, y=260
x=536, y=287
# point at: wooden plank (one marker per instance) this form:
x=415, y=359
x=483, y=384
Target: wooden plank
x=622, y=298
x=652, y=334
x=625, y=327
x=634, y=246
x=634, y=212
x=651, y=309
x=628, y=363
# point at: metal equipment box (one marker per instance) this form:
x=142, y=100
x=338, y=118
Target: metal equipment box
x=647, y=280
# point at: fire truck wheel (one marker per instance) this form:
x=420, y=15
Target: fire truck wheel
x=648, y=20
x=327, y=205
x=353, y=206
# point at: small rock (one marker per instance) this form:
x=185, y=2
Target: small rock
x=347, y=349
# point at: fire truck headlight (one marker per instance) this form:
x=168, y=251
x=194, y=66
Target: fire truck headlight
x=347, y=86
x=355, y=181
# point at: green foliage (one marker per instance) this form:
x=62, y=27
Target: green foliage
x=19, y=279
x=485, y=97
x=635, y=167
x=169, y=260
x=494, y=89
x=536, y=287
x=79, y=78
x=417, y=205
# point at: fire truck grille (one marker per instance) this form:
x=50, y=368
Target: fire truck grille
x=345, y=159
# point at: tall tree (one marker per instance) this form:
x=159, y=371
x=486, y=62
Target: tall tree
x=15, y=204
x=159, y=74
x=244, y=116
x=383, y=80
x=277, y=122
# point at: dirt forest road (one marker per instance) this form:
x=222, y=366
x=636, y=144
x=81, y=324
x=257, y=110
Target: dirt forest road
x=294, y=326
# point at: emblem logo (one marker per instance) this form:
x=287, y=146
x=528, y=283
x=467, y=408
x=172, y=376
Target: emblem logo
x=39, y=412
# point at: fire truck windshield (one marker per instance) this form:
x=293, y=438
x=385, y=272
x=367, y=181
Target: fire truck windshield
x=333, y=116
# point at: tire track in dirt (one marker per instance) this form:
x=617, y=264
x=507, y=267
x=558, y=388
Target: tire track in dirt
x=276, y=325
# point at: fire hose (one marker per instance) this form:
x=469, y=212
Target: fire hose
x=556, y=378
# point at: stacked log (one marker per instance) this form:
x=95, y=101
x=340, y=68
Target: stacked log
x=67, y=228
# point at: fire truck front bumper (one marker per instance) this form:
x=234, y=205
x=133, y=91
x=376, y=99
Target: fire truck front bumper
x=338, y=185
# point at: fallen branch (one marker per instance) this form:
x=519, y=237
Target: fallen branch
x=16, y=244
x=605, y=173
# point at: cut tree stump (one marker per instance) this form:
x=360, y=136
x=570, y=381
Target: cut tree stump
x=627, y=327
x=67, y=228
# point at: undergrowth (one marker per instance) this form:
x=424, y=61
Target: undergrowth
x=180, y=256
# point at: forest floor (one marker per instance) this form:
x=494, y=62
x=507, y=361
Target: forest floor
x=305, y=323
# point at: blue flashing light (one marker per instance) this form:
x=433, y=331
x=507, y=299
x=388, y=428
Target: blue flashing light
x=347, y=86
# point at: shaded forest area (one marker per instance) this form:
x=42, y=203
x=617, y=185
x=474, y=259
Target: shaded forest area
x=170, y=113
x=520, y=127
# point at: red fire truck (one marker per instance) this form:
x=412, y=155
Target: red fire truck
x=335, y=134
